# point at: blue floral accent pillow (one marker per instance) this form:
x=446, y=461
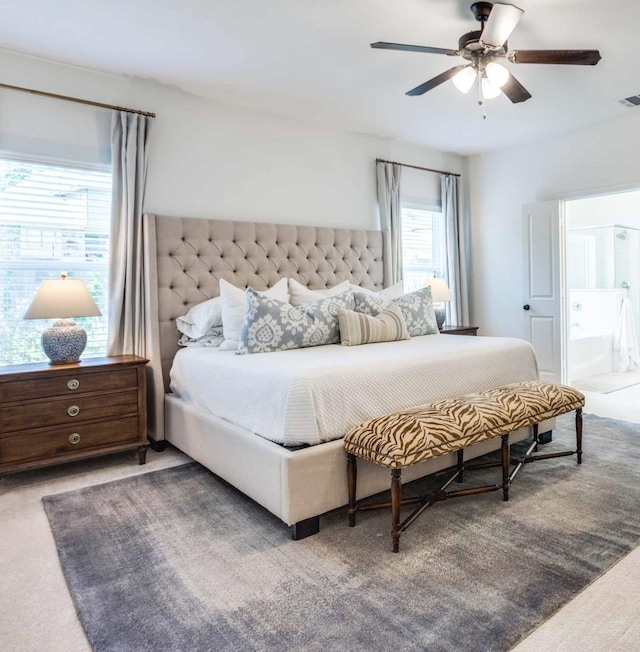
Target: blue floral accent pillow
x=272, y=325
x=416, y=308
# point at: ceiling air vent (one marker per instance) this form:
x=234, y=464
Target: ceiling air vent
x=634, y=100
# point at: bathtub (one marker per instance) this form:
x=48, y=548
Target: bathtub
x=590, y=353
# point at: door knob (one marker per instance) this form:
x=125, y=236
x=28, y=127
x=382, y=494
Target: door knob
x=526, y=307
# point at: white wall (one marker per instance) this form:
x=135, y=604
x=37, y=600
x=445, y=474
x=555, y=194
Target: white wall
x=594, y=159
x=207, y=159
x=622, y=208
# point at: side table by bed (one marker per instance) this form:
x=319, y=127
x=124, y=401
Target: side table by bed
x=59, y=413
x=459, y=330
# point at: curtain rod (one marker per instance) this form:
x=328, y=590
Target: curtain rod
x=77, y=100
x=417, y=167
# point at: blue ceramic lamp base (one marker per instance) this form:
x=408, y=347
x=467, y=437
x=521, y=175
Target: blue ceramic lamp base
x=64, y=342
x=440, y=315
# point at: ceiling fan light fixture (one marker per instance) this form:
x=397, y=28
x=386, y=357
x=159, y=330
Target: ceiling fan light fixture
x=489, y=89
x=464, y=79
x=497, y=74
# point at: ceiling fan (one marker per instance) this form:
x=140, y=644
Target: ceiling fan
x=484, y=48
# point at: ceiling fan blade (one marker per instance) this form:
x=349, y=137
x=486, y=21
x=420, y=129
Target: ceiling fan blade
x=436, y=81
x=502, y=21
x=515, y=91
x=412, y=48
x=567, y=57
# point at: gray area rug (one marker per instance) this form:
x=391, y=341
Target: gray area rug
x=179, y=560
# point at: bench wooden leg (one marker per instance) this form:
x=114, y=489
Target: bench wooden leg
x=579, y=435
x=352, y=477
x=460, y=467
x=396, y=500
x=506, y=462
x=536, y=437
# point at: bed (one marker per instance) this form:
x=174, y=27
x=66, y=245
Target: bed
x=270, y=424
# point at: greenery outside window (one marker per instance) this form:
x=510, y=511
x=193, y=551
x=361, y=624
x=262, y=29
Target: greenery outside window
x=54, y=219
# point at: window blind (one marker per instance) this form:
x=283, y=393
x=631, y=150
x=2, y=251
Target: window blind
x=423, y=246
x=53, y=220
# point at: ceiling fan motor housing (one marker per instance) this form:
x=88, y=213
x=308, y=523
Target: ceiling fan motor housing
x=470, y=48
x=481, y=10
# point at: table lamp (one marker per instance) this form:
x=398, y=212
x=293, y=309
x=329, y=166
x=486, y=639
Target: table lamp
x=439, y=292
x=61, y=299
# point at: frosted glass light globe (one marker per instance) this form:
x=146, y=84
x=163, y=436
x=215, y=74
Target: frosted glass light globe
x=489, y=89
x=497, y=74
x=463, y=80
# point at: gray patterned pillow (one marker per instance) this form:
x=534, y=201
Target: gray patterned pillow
x=416, y=308
x=369, y=303
x=272, y=325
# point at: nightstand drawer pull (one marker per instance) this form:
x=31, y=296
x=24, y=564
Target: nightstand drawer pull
x=74, y=438
x=73, y=411
x=73, y=383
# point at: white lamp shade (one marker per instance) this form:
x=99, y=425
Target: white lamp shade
x=497, y=74
x=463, y=80
x=439, y=289
x=62, y=298
x=489, y=89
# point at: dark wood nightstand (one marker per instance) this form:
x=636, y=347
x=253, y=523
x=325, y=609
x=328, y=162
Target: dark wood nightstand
x=459, y=330
x=58, y=413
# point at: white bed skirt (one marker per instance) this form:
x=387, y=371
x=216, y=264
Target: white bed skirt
x=293, y=485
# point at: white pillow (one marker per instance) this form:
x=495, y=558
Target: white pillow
x=234, y=305
x=200, y=319
x=299, y=295
x=392, y=292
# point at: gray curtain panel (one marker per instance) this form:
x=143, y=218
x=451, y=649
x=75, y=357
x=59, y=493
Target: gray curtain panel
x=456, y=257
x=388, y=176
x=129, y=137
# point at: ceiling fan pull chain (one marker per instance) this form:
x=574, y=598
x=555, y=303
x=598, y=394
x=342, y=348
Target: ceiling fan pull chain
x=481, y=101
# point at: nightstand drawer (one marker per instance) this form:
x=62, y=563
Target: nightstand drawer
x=59, y=441
x=67, y=384
x=67, y=410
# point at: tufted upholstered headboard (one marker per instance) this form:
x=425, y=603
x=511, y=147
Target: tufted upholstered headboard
x=185, y=258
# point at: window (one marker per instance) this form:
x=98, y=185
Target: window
x=423, y=246
x=53, y=220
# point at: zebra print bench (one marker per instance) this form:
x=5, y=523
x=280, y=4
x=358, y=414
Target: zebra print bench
x=404, y=438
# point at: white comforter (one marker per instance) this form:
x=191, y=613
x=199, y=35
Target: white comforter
x=309, y=396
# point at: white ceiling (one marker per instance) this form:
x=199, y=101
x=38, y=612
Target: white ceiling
x=310, y=59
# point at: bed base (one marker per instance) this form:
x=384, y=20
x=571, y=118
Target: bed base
x=296, y=486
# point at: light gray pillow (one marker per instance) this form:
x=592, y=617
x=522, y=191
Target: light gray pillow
x=416, y=308
x=272, y=325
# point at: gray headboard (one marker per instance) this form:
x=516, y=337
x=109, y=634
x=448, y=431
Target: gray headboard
x=185, y=258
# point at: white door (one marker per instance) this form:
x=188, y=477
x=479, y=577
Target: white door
x=543, y=304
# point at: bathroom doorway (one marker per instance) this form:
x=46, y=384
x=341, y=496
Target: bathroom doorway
x=603, y=291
